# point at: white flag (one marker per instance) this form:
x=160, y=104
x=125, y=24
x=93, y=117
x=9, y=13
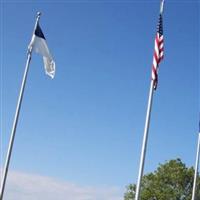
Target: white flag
x=39, y=45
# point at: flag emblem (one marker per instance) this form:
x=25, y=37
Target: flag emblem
x=158, y=51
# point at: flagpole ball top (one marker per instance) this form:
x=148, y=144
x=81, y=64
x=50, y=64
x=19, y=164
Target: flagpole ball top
x=39, y=14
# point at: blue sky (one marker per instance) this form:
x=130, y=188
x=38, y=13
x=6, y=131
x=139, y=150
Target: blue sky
x=86, y=125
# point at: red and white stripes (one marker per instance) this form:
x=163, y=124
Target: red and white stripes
x=158, y=52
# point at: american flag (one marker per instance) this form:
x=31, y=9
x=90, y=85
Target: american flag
x=158, y=51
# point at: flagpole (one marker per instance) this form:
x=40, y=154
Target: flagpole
x=146, y=130
x=145, y=138
x=14, y=127
x=196, y=169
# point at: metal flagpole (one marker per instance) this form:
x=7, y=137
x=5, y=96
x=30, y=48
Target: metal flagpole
x=146, y=131
x=5, y=172
x=144, y=144
x=196, y=170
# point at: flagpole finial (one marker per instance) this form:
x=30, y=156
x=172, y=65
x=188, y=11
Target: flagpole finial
x=162, y=6
x=38, y=15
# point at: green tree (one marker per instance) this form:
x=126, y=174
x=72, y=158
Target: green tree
x=171, y=181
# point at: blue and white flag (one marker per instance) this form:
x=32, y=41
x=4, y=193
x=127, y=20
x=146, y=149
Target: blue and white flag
x=39, y=45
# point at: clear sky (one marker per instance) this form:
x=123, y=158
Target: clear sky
x=86, y=126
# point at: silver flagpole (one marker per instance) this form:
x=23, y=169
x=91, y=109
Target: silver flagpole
x=146, y=131
x=145, y=138
x=196, y=170
x=5, y=172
